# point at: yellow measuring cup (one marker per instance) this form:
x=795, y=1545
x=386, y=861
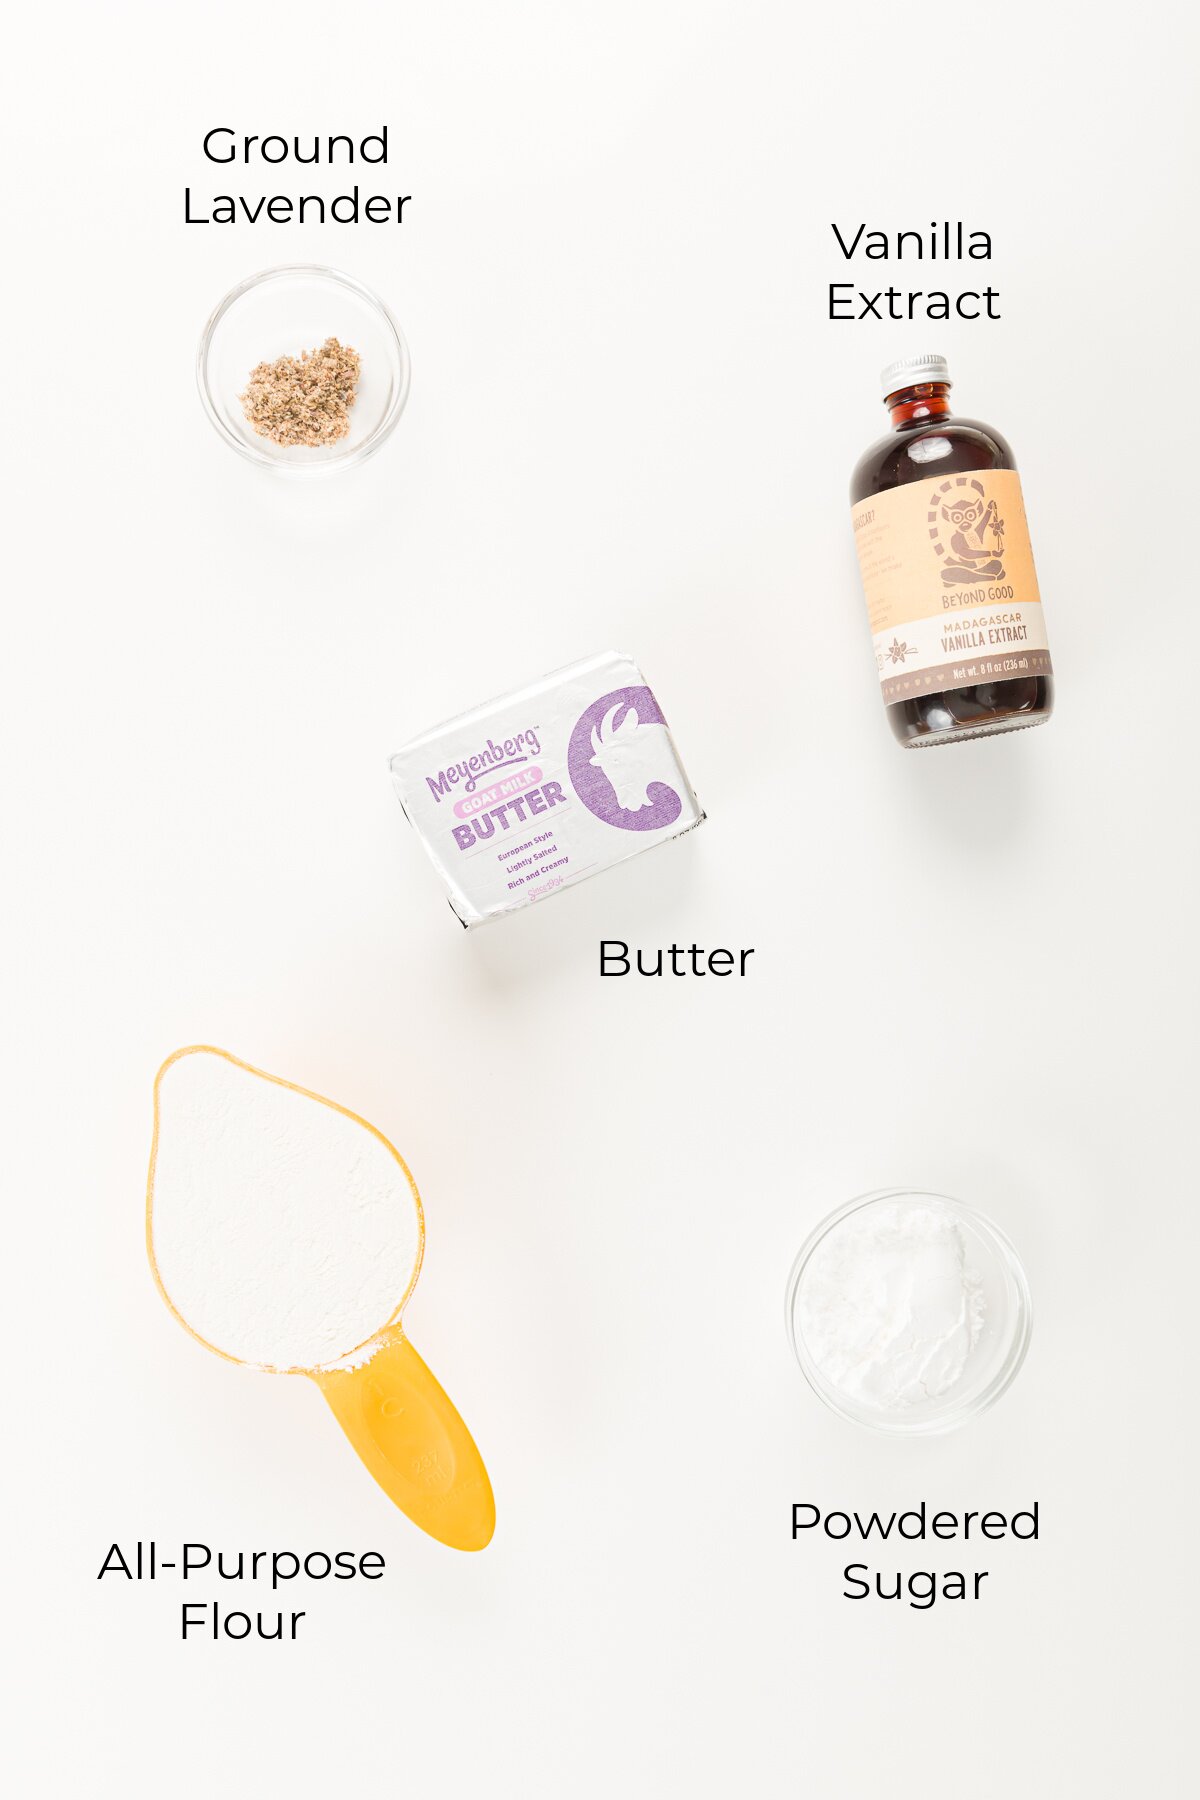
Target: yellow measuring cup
x=286, y=1234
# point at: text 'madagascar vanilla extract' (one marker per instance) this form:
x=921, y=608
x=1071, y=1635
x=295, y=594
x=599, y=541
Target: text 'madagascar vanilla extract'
x=939, y=524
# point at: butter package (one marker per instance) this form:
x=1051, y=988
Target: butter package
x=545, y=787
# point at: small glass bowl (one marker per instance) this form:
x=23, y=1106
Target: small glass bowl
x=997, y=1354
x=282, y=312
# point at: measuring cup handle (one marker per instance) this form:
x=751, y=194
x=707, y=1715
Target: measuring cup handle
x=407, y=1431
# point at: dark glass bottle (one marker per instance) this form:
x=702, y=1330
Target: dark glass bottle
x=951, y=562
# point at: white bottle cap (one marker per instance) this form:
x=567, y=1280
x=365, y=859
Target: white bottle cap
x=907, y=371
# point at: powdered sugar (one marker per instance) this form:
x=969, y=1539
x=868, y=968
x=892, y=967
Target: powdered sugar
x=889, y=1308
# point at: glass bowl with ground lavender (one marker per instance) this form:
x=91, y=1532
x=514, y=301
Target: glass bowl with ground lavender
x=304, y=370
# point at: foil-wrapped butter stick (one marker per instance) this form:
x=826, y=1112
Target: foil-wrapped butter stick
x=545, y=787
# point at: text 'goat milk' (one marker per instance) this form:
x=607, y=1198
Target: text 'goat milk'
x=545, y=787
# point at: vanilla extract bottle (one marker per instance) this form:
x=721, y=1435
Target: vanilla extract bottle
x=943, y=546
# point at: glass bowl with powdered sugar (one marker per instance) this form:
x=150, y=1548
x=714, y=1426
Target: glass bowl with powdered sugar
x=908, y=1312
x=303, y=370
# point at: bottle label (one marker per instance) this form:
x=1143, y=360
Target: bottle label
x=951, y=589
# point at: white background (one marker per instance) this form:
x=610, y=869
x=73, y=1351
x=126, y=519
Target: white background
x=631, y=425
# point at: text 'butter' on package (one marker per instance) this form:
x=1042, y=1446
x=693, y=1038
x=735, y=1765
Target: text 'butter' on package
x=545, y=787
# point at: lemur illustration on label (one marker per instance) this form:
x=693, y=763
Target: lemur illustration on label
x=972, y=518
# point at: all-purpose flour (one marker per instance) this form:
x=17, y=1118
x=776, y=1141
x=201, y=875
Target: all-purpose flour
x=284, y=1232
x=889, y=1307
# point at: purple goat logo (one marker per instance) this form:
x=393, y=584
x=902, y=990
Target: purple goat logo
x=626, y=779
x=632, y=756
